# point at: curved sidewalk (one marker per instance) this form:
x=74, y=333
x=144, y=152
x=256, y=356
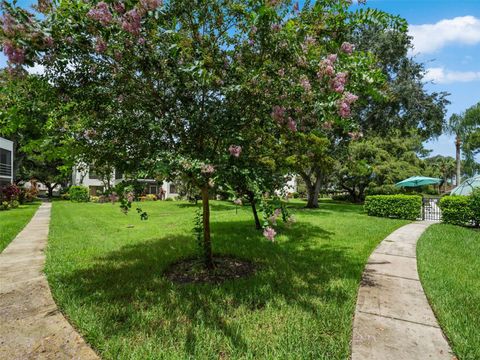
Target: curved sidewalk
x=393, y=319
x=31, y=326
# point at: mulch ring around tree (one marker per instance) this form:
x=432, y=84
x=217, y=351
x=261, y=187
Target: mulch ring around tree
x=193, y=270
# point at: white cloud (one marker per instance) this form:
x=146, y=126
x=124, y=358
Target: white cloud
x=428, y=38
x=441, y=76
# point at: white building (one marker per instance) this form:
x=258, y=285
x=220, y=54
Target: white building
x=86, y=176
x=6, y=161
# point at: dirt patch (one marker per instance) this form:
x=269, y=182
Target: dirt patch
x=192, y=270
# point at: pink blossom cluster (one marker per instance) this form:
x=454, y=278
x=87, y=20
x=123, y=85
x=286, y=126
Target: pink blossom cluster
x=278, y=113
x=235, y=150
x=305, y=84
x=269, y=233
x=338, y=82
x=15, y=55
x=281, y=72
x=101, y=13
x=345, y=103
x=131, y=22
x=273, y=218
x=347, y=48
x=237, y=201
x=100, y=45
x=276, y=27
x=44, y=6
x=49, y=42
x=292, y=124
x=130, y=197
x=9, y=24
x=119, y=7
x=207, y=169
x=327, y=66
x=150, y=5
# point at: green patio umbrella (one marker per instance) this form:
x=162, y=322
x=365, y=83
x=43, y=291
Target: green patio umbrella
x=415, y=181
x=466, y=187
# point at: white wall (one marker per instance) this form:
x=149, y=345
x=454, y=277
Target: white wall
x=7, y=145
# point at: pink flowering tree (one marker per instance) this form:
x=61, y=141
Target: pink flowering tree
x=182, y=85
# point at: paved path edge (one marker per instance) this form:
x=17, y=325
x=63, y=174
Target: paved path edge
x=393, y=318
x=32, y=325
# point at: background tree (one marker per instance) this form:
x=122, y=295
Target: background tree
x=31, y=114
x=466, y=129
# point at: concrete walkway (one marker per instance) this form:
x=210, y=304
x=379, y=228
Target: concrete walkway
x=31, y=326
x=393, y=319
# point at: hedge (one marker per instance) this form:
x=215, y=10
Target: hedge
x=456, y=210
x=78, y=194
x=394, y=206
x=461, y=210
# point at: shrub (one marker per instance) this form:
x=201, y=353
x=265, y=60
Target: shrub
x=78, y=194
x=95, y=199
x=9, y=193
x=396, y=206
x=151, y=197
x=475, y=205
x=456, y=210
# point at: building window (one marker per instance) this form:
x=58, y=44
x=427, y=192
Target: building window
x=5, y=162
x=173, y=189
x=118, y=174
x=153, y=190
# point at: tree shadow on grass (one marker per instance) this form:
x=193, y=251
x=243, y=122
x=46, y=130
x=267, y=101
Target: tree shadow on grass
x=298, y=270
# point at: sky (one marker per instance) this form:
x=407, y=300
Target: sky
x=446, y=38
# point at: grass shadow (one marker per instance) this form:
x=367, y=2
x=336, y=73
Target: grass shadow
x=297, y=272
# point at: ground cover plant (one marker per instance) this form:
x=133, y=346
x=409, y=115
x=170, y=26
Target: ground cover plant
x=13, y=221
x=449, y=269
x=105, y=271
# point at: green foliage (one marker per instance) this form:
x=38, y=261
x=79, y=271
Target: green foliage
x=78, y=194
x=387, y=189
x=456, y=210
x=475, y=205
x=407, y=207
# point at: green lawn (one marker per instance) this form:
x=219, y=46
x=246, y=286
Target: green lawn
x=449, y=266
x=13, y=221
x=106, y=276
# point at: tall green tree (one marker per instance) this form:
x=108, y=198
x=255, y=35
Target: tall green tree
x=31, y=114
x=466, y=129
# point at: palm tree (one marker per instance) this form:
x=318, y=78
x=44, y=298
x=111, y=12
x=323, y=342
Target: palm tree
x=458, y=127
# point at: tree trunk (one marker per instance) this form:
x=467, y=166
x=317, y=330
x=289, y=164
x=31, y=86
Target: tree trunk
x=207, y=244
x=313, y=192
x=251, y=197
x=50, y=188
x=458, y=144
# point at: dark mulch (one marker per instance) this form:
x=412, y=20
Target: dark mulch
x=193, y=270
